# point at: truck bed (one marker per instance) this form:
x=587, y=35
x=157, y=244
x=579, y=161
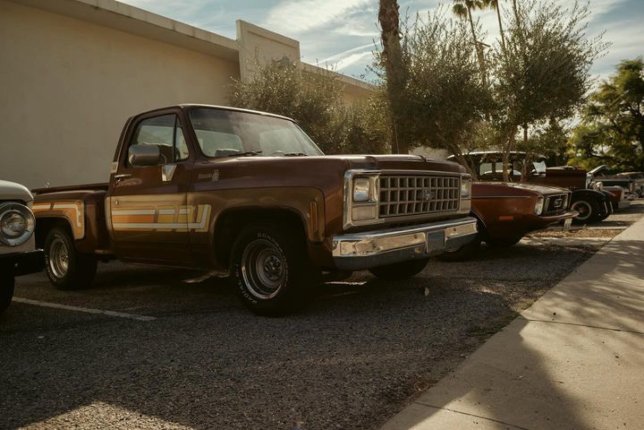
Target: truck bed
x=85, y=187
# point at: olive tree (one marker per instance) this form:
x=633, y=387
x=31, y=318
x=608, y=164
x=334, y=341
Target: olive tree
x=543, y=71
x=314, y=99
x=447, y=102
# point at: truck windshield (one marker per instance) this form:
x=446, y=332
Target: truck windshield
x=227, y=133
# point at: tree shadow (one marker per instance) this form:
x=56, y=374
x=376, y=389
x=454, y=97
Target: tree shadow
x=582, y=338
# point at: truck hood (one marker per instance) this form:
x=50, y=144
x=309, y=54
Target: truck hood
x=511, y=189
x=13, y=191
x=335, y=163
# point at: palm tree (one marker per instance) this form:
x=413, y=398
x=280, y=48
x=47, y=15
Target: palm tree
x=463, y=9
x=494, y=4
x=395, y=69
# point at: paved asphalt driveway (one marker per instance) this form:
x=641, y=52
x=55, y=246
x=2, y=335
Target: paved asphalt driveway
x=173, y=354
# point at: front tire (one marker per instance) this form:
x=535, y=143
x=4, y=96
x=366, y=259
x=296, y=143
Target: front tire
x=588, y=211
x=400, y=271
x=463, y=253
x=67, y=268
x=504, y=242
x=272, y=272
x=7, y=284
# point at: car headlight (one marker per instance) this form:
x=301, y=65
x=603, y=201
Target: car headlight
x=538, y=207
x=16, y=223
x=362, y=190
x=362, y=198
x=466, y=187
x=598, y=186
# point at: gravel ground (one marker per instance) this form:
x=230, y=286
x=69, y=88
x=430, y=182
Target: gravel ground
x=356, y=356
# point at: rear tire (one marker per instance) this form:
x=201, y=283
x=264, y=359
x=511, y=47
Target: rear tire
x=400, y=271
x=272, y=272
x=67, y=268
x=7, y=284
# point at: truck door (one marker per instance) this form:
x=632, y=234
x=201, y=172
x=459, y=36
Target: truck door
x=146, y=209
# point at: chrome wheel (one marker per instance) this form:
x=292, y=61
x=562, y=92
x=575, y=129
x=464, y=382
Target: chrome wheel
x=584, y=208
x=58, y=257
x=264, y=268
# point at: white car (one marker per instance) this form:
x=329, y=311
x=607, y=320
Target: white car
x=18, y=253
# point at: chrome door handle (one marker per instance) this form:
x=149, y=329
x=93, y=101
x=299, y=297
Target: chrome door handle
x=122, y=176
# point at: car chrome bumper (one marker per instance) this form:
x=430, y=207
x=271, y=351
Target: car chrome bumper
x=381, y=247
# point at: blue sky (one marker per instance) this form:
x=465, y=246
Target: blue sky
x=342, y=33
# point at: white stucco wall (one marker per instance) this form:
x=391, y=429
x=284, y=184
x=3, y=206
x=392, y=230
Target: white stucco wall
x=67, y=86
x=73, y=71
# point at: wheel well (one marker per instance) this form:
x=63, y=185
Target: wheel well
x=230, y=224
x=45, y=225
x=588, y=195
x=480, y=225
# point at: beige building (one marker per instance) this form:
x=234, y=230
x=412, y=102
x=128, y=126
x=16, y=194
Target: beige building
x=72, y=72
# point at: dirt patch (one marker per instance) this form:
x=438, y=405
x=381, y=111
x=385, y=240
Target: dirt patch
x=579, y=233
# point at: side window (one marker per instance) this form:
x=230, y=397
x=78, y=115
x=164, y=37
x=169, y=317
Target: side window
x=165, y=132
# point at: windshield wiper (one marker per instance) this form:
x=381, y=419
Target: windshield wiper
x=240, y=154
x=294, y=154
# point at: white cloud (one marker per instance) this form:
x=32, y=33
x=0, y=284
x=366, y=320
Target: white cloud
x=294, y=17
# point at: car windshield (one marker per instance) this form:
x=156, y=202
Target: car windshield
x=539, y=166
x=228, y=133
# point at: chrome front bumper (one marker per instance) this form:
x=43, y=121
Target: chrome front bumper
x=381, y=247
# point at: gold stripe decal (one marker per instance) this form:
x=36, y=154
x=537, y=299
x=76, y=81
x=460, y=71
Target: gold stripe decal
x=182, y=218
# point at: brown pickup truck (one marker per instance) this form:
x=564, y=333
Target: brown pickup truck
x=248, y=193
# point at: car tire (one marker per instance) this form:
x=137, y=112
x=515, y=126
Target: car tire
x=271, y=269
x=588, y=211
x=67, y=268
x=400, y=271
x=7, y=284
x=463, y=253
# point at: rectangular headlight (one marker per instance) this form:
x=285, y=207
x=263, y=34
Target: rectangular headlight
x=538, y=207
x=362, y=191
x=466, y=187
x=361, y=198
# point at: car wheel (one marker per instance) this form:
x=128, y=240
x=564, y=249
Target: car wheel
x=588, y=210
x=463, y=253
x=67, y=268
x=6, y=286
x=399, y=271
x=272, y=272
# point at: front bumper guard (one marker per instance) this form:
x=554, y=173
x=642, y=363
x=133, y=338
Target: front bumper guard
x=365, y=250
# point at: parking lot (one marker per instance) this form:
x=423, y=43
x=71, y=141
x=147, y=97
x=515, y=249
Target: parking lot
x=151, y=347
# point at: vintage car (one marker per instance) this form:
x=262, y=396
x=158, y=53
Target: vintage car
x=620, y=198
x=607, y=177
x=637, y=177
x=591, y=204
x=18, y=255
x=508, y=211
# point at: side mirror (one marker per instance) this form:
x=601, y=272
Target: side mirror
x=144, y=155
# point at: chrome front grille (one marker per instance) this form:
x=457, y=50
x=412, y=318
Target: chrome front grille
x=405, y=195
x=555, y=204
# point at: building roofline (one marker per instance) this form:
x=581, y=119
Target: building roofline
x=130, y=19
x=133, y=20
